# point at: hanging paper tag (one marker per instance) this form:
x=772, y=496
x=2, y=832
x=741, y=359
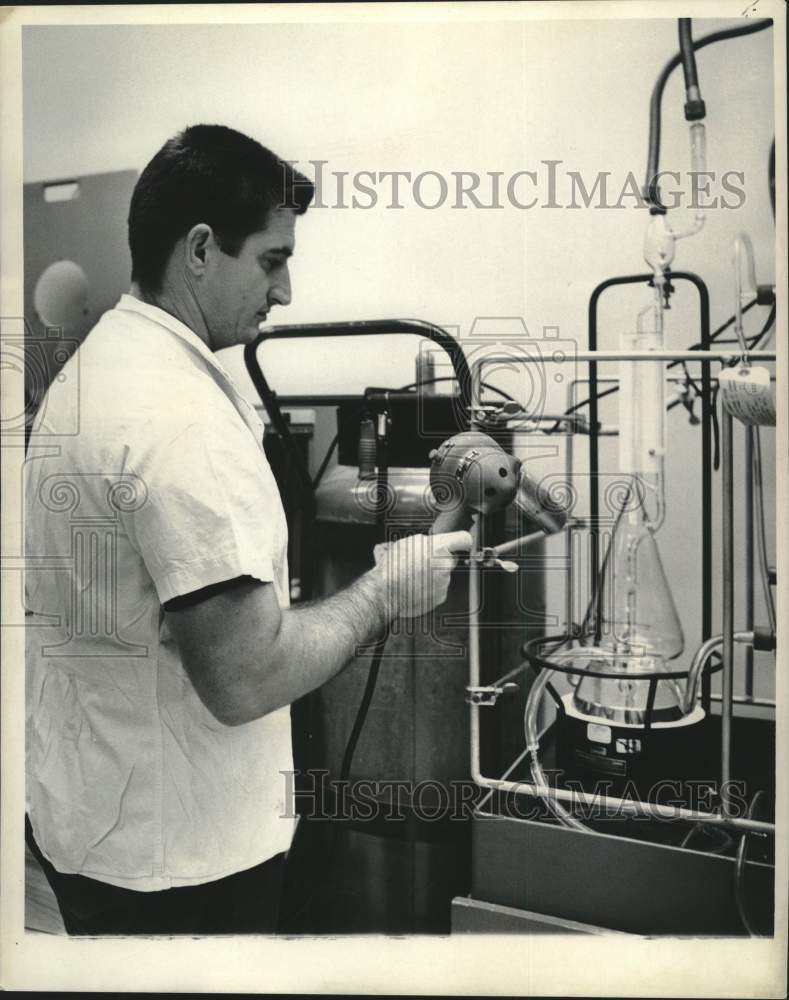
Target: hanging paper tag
x=748, y=395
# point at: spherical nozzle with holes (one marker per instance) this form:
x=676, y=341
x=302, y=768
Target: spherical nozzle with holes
x=471, y=474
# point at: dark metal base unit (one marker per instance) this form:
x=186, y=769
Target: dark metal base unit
x=634, y=760
x=610, y=881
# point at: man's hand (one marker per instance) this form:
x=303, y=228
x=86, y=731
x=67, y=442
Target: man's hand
x=416, y=571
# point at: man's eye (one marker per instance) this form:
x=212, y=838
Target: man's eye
x=270, y=264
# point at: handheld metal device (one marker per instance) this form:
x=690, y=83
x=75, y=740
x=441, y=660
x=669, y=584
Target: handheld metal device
x=471, y=473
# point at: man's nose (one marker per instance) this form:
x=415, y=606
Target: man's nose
x=280, y=292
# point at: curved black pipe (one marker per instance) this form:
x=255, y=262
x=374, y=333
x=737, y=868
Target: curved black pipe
x=594, y=450
x=706, y=449
x=694, y=105
x=371, y=327
x=278, y=422
x=687, y=54
x=357, y=328
x=771, y=176
x=651, y=192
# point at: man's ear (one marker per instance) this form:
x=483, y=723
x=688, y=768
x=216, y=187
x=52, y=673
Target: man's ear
x=197, y=246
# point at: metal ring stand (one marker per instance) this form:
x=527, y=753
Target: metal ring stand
x=540, y=663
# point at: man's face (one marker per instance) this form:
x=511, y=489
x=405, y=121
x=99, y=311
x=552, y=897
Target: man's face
x=240, y=291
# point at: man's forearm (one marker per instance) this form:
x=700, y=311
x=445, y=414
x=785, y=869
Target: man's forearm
x=247, y=657
x=316, y=640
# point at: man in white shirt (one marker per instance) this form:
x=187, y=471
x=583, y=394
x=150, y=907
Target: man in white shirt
x=162, y=654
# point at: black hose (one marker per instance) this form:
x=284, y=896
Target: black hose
x=382, y=462
x=688, y=56
x=323, y=882
x=716, y=433
x=324, y=464
x=651, y=192
x=361, y=713
x=451, y=378
x=369, y=687
x=585, y=402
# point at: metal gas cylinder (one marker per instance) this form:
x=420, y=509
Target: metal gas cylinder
x=390, y=856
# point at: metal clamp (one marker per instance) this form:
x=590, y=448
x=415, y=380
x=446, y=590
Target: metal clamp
x=489, y=695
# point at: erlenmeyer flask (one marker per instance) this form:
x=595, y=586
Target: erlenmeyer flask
x=640, y=631
x=639, y=616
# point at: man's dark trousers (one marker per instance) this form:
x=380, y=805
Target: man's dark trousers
x=244, y=903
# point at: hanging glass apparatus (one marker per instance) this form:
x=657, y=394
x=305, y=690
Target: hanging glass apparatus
x=633, y=621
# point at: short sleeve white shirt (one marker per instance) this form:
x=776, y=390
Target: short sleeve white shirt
x=145, y=480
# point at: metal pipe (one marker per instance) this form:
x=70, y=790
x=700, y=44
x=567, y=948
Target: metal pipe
x=742, y=248
x=749, y=567
x=533, y=418
x=761, y=536
x=724, y=357
x=630, y=806
x=742, y=700
x=594, y=460
x=703, y=653
x=517, y=543
x=727, y=571
x=473, y=648
x=706, y=472
x=569, y=534
x=372, y=327
x=475, y=388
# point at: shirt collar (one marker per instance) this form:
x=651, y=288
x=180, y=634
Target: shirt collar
x=129, y=303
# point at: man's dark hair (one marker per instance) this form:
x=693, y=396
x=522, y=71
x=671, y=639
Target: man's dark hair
x=210, y=174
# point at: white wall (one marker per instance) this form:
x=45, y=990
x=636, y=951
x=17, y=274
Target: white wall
x=443, y=97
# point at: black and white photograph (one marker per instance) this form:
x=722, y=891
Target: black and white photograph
x=394, y=437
